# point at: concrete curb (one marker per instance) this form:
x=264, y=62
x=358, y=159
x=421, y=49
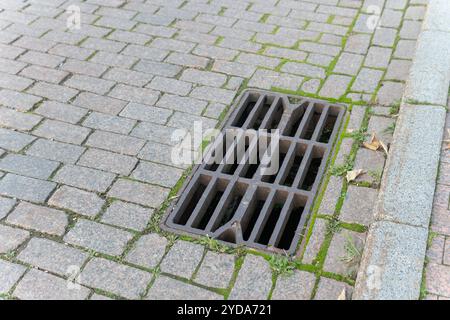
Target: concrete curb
x=393, y=259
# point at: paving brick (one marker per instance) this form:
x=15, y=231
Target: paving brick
x=405, y=49
x=28, y=166
x=233, y=68
x=25, y=188
x=358, y=205
x=85, y=178
x=128, y=77
x=367, y=80
x=10, y=52
x=172, y=45
x=378, y=57
x=71, y=51
x=111, y=123
x=384, y=37
x=216, y=270
x=370, y=162
x=390, y=93
x=99, y=103
x=254, y=280
x=129, y=37
x=44, y=74
x=186, y=121
x=214, y=110
x=53, y=91
x=52, y=256
x=311, y=86
x=18, y=120
x=154, y=19
x=335, y=86
x=61, y=131
x=98, y=237
x=213, y=94
x=34, y=44
x=303, y=69
x=115, y=278
x=108, y=161
x=139, y=193
x=103, y=45
x=63, y=37
x=348, y=63
x=170, y=85
x=437, y=279
x=14, y=141
x=166, y=288
x=11, y=66
x=182, y=259
x=160, y=153
x=447, y=252
x=157, y=68
x=435, y=251
x=13, y=82
x=10, y=273
x=115, y=142
x=331, y=196
x=56, y=151
x=127, y=215
x=115, y=23
x=215, y=52
x=84, y=67
x=285, y=53
x=330, y=289
x=61, y=111
x=319, y=59
x=145, y=52
x=39, y=218
x=113, y=59
x=298, y=286
x=380, y=126
x=358, y=43
x=86, y=83
x=6, y=205
x=197, y=37
x=315, y=241
x=38, y=285
x=157, y=174
x=79, y=201
x=134, y=94
x=186, y=104
x=146, y=113
x=11, y=238
x=398, y=70
x=157, y=133
x=148, y=251
x=187, y=60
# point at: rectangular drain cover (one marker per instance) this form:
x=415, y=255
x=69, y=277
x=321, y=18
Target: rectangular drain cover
x=256, y=187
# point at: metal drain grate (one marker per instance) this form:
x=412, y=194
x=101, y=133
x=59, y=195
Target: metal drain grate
x=240, y=200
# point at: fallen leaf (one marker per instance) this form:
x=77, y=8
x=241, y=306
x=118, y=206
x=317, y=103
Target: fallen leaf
x=352, y=175
x=343, y=295
x=374, y=143
x=384, y=147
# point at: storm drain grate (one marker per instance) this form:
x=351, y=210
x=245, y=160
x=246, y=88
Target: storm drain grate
x=257, y=180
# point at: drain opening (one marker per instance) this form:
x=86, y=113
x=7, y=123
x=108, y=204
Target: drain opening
x=259, y=195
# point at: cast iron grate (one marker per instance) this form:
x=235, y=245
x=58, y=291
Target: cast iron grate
x=238, y=200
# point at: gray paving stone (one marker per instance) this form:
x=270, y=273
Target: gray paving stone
x=372, y=162
x=182, y=259
x=103, y=45
x=216, y=270
x=166, y=288
x=61, y=111
x=398, y=70
x=28, y=166
x=37, y=44
x=10, y=273
x=113, y=59
x=39, y=218
x=384, y=37
x=348, y=63
x=25, y=188
x=79, y=201
x=187, y=60
x=356, y=118
x=390, y=93
x=331, y=196
x=170, y=85
x=215, y=52
x=84, y=67
x=304, y=70
x=11, y=238
x=14, y=141
x=98, y=237
x=127, y=215
x=10, y=52
x=435, y=16
x=99, y=103
x=10, y=66
x=396, y=253
x=160, y=153
x=87, y=83
x=139, y=193
x=71, y=51
x=330, y=289
x=157, y=68
x=233, y=68
x=115, y=142
x=6, y=205
x=108, y=161
x=52, y=256
x=157, y=133
x=146, y=52
x=315, y=241
x=18, y=100
x=18, y=120
x=111, y=123
x=359, y=205
x=38, y=285
x=378, y=57
x=380, y=126
x=204, y=77
x=146, y=113
x=335, y=86
x=344, y=151
x=187, y=121
x=254, y=280
x=172, y=45
x=358, y=43
x=148, y=251
x=405, y=49
x=53, y=91
x=61, y=131
x=43, y=74
x=42, y=59
x=319, y=59
x=213, y=94
x=311, y=86
x=134, y=94
x=110, y=276
x=130, y=37
x=214, y=110
x=299, y=286
x=128, y=77
x=56, y=151
x=85, y=178
x=367, y=80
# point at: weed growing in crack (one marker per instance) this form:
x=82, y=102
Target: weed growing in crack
x=352, y=255
x=394, y=108
x=213, y=244
x=281, y=265
x=341, y=169
x=333, y=226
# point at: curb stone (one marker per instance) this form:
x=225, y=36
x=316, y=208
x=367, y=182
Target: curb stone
x=393, y=259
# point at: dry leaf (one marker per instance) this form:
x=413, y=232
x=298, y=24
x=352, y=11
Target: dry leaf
x=384, y=147
x=352, y=175
x=374, y=143
x=343, y=295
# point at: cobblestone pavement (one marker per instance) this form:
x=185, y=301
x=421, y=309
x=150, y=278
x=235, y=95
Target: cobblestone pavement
x=437, y=267
x=86, y=117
